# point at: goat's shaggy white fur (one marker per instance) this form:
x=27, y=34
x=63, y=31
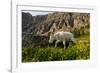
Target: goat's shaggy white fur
x=61, y=37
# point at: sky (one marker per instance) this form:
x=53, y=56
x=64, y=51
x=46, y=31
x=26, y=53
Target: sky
x=34, y=13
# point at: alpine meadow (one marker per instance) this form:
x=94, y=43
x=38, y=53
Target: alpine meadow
x=39, y=26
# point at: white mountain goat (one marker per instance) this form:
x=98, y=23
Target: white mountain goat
x=61, y=37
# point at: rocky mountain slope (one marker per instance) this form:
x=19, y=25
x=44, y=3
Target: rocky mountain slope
x=42, y=25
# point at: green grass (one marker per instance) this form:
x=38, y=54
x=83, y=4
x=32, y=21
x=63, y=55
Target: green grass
x=78, y=51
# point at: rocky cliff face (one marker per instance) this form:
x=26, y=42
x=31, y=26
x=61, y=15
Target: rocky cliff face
x=26, y=22
x=42, y=25
x=58, y=21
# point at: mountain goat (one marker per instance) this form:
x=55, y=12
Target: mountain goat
x=61, y=37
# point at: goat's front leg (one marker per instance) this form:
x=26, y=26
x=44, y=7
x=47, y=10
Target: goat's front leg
x=64, y=43
x=57, y=43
